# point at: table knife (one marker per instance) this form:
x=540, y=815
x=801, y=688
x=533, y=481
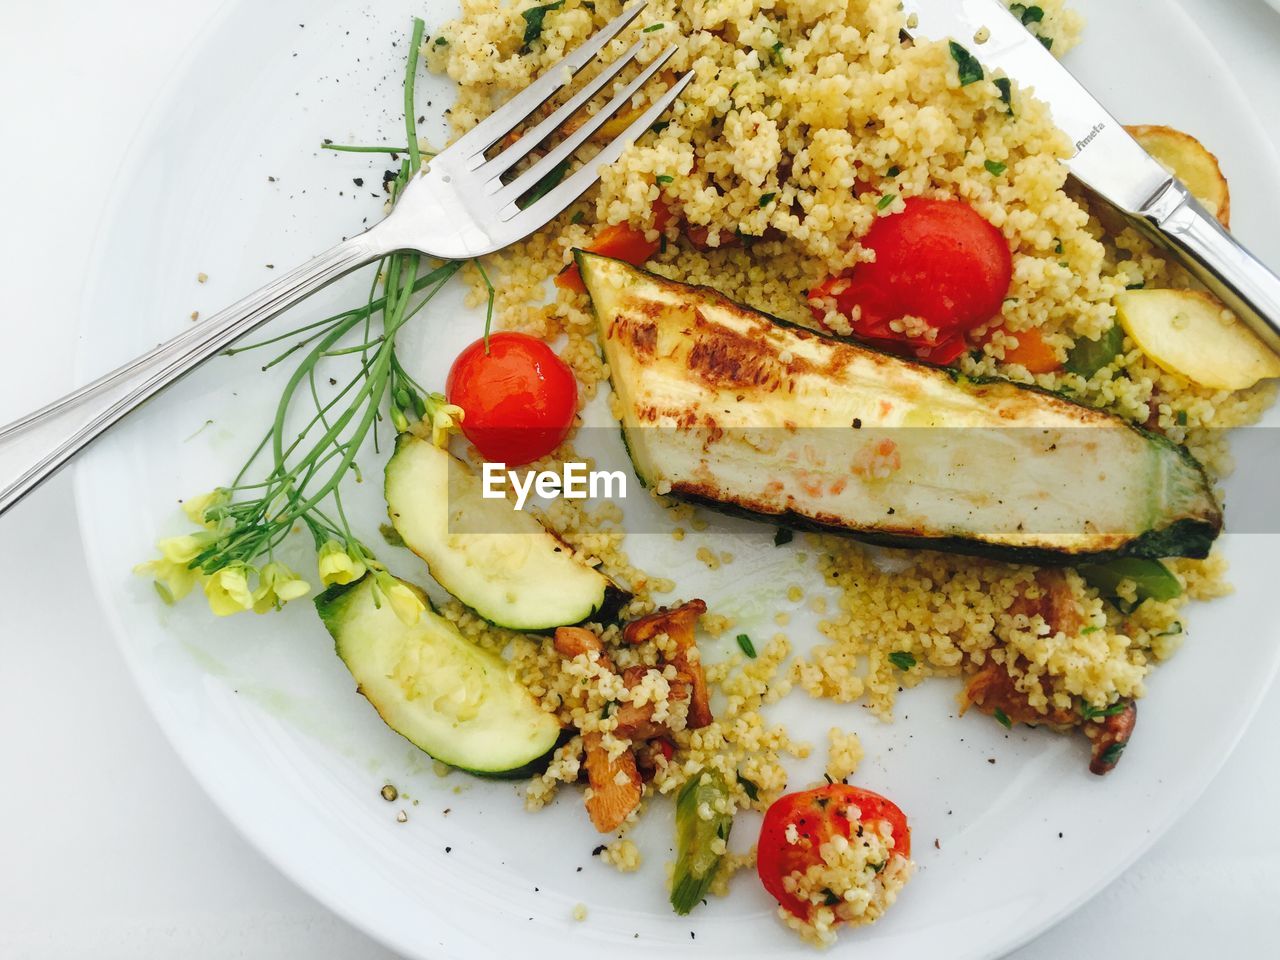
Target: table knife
x=1109, y=162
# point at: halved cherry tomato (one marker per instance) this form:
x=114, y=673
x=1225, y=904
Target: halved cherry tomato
x=818, y=815
x=938, y=260
x=518, y=400
x=622, y=242
x=1032, y=352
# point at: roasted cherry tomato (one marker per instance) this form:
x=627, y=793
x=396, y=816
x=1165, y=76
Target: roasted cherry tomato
x=518, y=400
x=1032, y=352
x=938, y=260
x=622, y=242
x=818, y=815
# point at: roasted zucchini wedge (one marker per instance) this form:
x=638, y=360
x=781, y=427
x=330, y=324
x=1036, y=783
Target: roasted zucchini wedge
x=497, y=560
x=441, y=692
x=723, y=404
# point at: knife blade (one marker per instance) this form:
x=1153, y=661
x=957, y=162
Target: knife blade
x=1108, y=161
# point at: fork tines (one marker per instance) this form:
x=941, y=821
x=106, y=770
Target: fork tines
x=468, y=153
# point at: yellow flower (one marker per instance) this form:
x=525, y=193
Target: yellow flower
x=171, y=571
x=405, y=601
x=338, y=566
x=441, y=416
x=443, y=419
x=277, y=585
x=173, y=581
x=195, y=507
x=228, y=590
x=182, y=549
x=408, y=606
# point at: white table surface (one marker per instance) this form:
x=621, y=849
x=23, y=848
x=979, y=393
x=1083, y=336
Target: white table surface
x=107, y=846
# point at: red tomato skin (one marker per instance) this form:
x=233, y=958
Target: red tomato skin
x=622, y=242
x=518, y=401
x=818, y=816
x=938, y=260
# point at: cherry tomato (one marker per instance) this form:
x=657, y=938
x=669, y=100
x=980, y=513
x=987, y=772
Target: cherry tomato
x=938, y=260
x=622, y=242
x=519, y=399
x=818, y=815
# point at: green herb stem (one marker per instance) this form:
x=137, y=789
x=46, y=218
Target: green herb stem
x=411, y=71
x=353, y=148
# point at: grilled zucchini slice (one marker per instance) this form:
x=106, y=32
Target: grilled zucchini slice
x=438, y=690
x=497, y=560
x=723, y=404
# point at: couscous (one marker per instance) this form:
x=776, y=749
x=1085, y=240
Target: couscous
x=805, y=124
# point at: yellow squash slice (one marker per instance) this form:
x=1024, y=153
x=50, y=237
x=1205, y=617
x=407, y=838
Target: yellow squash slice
x=1187, y=159
x=1190, y=333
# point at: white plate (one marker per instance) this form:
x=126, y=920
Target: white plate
x=266, y=716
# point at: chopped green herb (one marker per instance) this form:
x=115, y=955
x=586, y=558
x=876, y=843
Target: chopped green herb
x=1136, y=286
x=902, y=660
x=1057, y=246
x=660, y=126
x=1092, y=628
x=1086, y=357
x=747, y=646
x=608, y=710
x=749, y=788
x=994, y=167
x=1112, y=754
x=578, y=216
x=1089, y=712
x=887, y=199
x=775, y=52
x=545, y=185
x=533, y=18
x=1005, y=86
x=892, y=172
x=1003, y=719
x=1175, y=628
x=829, y=897
x=442, y=41
x=589, y=5
x=665, y=178
x=652, y=27
x=766, y=199
x=1047, y=41
x=969, y=67
x=877, y=867
x=1181, y=418
x=1028, y=15
x=782, y=536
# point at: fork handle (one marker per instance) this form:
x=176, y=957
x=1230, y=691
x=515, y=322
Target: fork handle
x=1215, y=258
x=33, y=447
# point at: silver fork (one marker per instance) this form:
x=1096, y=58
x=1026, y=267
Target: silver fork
x=457, y=207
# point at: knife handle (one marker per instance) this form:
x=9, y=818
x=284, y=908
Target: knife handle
x=1176, y=221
